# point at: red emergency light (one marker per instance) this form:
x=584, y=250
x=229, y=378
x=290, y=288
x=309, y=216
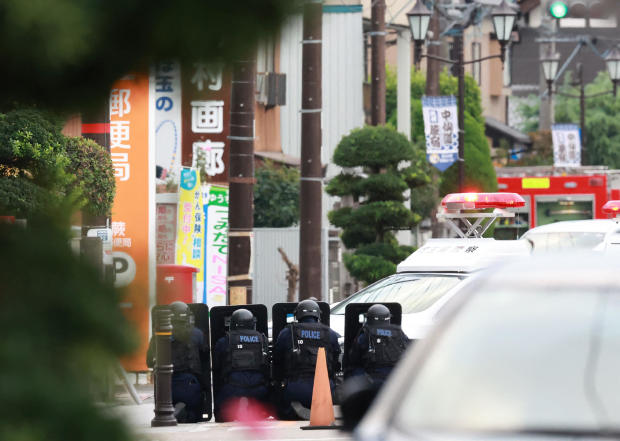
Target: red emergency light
x=612, y=207
x=479, y=201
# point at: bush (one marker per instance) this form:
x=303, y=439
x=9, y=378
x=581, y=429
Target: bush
x=276, y=196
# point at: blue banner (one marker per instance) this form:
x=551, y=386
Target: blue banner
x=441, y=130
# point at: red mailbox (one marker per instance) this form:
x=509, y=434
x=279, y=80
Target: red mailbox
x=175, y=282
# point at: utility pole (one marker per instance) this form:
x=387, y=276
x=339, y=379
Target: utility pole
x=241, y=172
x=460, y=69
x=432, y=66
x=377, y=54
x=310, y=278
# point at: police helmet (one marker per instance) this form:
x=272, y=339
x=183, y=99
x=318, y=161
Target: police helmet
x=307, y=308
x=242, y=319
x=181, y=313
x=378, y=314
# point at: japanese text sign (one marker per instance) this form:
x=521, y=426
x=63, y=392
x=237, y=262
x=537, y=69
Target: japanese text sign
x=566, y=145
x=206, y=112
x=131, y=211
x=441, y=130
x=216, y=243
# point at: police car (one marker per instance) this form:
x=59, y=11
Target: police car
x=592, y=234
x=435, y=272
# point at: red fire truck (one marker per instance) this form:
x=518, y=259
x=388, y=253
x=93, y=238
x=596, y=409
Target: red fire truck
x=551, y=196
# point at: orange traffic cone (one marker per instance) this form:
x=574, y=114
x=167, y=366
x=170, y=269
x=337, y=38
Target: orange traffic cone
x=322, y=409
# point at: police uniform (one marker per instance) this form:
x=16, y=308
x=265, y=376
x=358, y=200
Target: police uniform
x=295, y=354
x=187, y=344
x=240, y=367
x=377, y=349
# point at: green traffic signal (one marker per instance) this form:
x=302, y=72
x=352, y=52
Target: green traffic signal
x=558, y=9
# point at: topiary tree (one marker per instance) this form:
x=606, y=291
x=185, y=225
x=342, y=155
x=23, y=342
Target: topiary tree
x=32, y=163
x=276, y=196
x=371, y=157
x=92, y=167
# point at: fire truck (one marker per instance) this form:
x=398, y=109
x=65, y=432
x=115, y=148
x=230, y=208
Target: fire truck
x=553, y=195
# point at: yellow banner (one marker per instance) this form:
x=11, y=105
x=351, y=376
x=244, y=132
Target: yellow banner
x=190, y=225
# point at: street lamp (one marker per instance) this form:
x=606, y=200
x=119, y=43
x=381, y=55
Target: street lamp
x=419, y=18
x=503, y=21
x=613, y=66
x=550, y=63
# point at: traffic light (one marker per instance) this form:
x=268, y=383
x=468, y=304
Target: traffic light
x=558, y=9
x=592, y=9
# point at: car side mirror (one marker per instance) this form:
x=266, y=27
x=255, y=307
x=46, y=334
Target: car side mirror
x=357, y=394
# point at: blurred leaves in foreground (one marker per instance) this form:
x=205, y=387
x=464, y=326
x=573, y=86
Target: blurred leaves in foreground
x=62, y=332
x=67, y=53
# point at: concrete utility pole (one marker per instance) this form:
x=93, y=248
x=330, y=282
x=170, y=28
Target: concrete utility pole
x=460, y=66
x=241, y=205
x=377, y=55
x=311, y=173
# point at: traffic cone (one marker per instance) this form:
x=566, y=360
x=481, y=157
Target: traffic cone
x=322, y=408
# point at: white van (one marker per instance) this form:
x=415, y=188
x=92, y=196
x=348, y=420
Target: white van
x=430, y=276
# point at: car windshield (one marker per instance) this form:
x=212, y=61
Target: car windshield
x=519, y=360
x=415, y=292
x=565, y=240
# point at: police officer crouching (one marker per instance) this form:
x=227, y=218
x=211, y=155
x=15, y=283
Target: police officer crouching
x=240, y=363
x=378, y=346
x=295, y=354
x=187, y=378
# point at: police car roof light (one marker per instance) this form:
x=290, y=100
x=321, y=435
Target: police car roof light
x=612, y=207
x=480, y=201
x=455, y=203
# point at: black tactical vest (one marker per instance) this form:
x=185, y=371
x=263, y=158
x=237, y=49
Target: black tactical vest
x=386, y=344
x=307, y=339
x=185, y=355
x=247, y=351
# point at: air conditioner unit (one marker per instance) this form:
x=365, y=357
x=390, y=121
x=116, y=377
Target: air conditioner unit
x=271, y=89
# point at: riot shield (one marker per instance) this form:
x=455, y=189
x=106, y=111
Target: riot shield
x=201, y=321
x=220, y=324
x=284, y=313
x=220, y=319
x=354, y=317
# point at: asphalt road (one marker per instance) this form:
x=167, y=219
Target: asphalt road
x=139, y=418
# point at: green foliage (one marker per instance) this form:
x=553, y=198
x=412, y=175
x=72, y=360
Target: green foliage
x=39, y=167
x=380, y=152
x=528, y=110
x=92, y=166
x=276, y=196
x=480, y=174
x=67, y=53
x=479, y=171
x=373, y=147
x=602, y=122
x=62, y=329
x=542, y=150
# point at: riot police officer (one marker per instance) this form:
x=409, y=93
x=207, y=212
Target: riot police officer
x=295, y=354
x=240, y=363
x=378, y=346
x=188, y=342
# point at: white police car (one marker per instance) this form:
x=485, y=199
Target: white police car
x=430, y=276
x=592, y=234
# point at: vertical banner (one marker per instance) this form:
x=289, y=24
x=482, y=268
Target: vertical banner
x=206, y=115
x=216, y=245
x=441, y=130
x=166, y=233
x=566, y=145
x=190, y=224
x=166, y=109
x=131, y=211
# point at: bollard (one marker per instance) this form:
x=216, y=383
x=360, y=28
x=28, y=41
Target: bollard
x=164, y=412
